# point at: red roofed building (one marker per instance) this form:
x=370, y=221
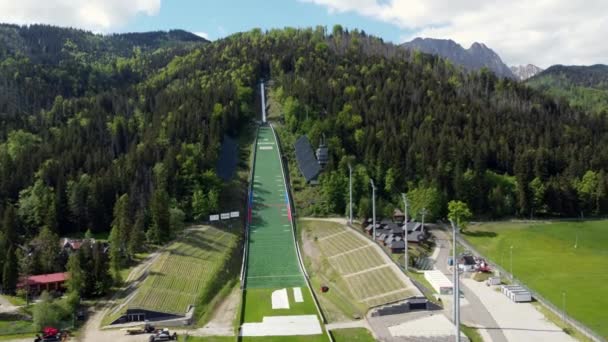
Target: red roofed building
x=44, y=282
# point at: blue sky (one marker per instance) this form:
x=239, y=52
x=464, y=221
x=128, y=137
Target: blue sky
x=221, y=18
x=521, y=31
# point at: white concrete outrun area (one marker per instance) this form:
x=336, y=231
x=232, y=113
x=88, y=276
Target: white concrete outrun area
x=283, y=326
x=297, y=295
x=280, y=299
x=425, y=327
x=518, y=321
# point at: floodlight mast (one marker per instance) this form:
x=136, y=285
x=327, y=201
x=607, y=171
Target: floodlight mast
x=405, y=205
x=373, y=209
x=456, y=284
x=350, y=193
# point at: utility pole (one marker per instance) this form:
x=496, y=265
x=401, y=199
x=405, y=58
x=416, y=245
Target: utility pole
x=511, y=262
x=423, y=212
x=405, y=256
x=350, y=193
x=373, y=209
x=456, y=284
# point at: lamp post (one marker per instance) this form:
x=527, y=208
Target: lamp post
x=456, y=284
x=423, y=212
x=511, y=262
x=373, y=209
x=350, y=193
x=405, y=256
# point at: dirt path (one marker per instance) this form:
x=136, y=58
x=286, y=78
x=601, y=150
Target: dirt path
x=221, y=323
x=6, y=306
x=91, y=330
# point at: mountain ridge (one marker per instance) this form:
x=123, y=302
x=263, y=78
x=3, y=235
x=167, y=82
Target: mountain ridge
x=524, y=72
x=477, y=56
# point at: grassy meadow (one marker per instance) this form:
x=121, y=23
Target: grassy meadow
x=554, y=258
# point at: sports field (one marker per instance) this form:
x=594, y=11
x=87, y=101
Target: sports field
x=181, y=274
x=272, y=261
x=354, y=264
x=550, y=259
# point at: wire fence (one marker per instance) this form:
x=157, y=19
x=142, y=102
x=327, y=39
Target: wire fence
x=584, y=329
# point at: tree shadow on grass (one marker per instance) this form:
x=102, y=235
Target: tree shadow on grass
x=480, y=234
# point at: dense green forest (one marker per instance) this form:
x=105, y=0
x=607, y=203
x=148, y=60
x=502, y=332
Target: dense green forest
x=113, y=135
x=584, y=87
x=121, y=134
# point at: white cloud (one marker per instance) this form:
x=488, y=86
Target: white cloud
x=202, y=34
x=542, y=32
x=96, y=15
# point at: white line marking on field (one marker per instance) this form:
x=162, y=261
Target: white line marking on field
x=349, y=251
x=365, y=271
x=297, y=295
x=280, y=299
x=333, y=235
x=275, y=276
x=382, y=295
x=265, y=147
x=283, y=326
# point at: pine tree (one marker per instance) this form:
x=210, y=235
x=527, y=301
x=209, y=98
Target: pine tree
x=159, y=207
x=75, y=281
x=10, y=273
x=115, y=255
x=47, y=245
x=119, y=235
x=138, y=238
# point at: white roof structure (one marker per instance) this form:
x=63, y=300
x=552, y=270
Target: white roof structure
x=438, y=281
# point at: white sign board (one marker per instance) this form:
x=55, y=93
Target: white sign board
x=214, y=218
x=225, y=216
x=234, y=214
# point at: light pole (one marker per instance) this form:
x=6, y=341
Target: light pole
x=350, y=193
x=456, y=284
x=511, y=262
x=373, y=209
x=423, y=212
x=405, y=256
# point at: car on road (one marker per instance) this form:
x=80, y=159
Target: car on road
x=163, y=335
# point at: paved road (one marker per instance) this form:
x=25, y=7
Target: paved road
x=518, y=321
x=475, y=313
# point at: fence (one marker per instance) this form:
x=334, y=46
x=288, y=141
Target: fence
x=552, y=307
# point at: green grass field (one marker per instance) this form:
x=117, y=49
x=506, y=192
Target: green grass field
x=546, y=260
x=352, y=335
x=353, y=265
x=181, y=273
x=258, y=304
x=15, y=327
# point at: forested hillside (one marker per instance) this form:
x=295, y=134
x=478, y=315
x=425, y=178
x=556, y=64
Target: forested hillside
x=415, y=123
x=108, y=139
x=585, y=87
x=96, y=139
